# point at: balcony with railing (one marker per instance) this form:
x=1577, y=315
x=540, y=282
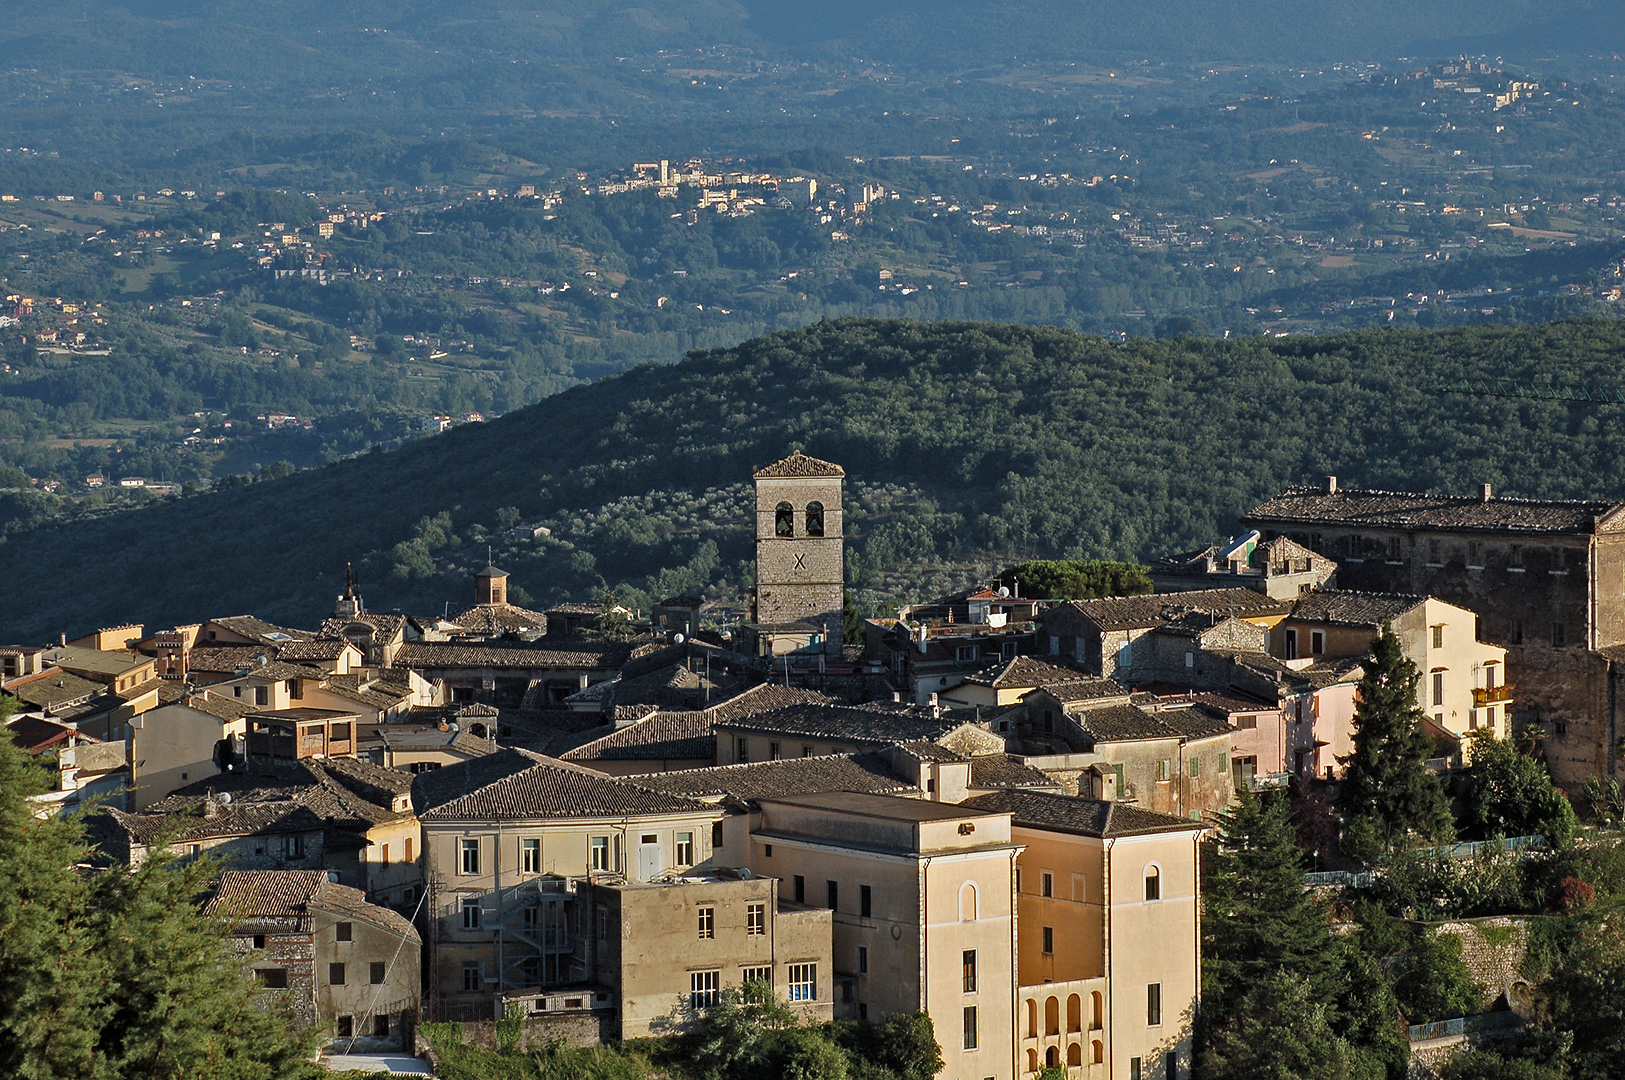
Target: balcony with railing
x=1492, y=695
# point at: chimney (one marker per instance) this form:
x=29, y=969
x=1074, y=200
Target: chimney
x=211, y=808
x=1331, y=485
x=1484, y=492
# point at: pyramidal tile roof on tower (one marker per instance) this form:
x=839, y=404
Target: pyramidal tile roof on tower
x=799, y=465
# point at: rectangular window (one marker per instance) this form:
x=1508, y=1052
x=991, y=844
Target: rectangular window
x=1438, y=636
x=970, y=1027
x=600, y=918
x=866, y=901
x=716, y=834
x=834, y=891
x=296, y=689
x=295, y=846
x=755, y=920
x=685, y=849
x=598, y=849
x=756, y=974
x=380, y=1026
x=1135, y=1072
x=471, y=975
x=967, y=961
x=1515, y=556
x=806, y=751
x=1046, y=884
x=1118, y=769
x=1162, y=769
x=704, y=987
x=470, y=856
x=1153, y=1005
x=1170, y=1065
x=471, y=913
x=376, y=972
x=1317, y=642
x=773, y=753
x=1433, y=551
x=344, y=1027
x=1291, y=644
x=335, y=974
x=708, y=922
x=259, y=941
x=1247, y=723
x=343, y=931
x=863, y=959
x=262, y=695
x=801, y=889
x=742, y=749
x=1049, y=939
x=530, y=856
x=385, y=854
x=1196, y=768
x=803, y=983
x=1516, y=632
x=1559, y=633
x=1438, y=688
x=273, y=978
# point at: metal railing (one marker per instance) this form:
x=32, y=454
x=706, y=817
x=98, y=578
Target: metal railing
x=1463, y=1025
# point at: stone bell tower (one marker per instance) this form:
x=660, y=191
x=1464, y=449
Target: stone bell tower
x=800, y=550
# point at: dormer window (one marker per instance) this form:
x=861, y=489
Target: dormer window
x=815, y=519
x=784, y=520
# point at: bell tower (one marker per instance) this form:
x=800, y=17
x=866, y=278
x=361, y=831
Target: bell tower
x=800, y=550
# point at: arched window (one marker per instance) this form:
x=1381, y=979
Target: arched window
x=1032, y=1018
x=477, y=730
x=784, y=520
x=1032, y=1061
x=1074, y=1014
x=1099, y=1052
x=1052, y=1017
x=1097, y=1019
x=1074, y=1055
x=1153, y=883
x=1051, y=1058
x=967, y=902
x=815, y=519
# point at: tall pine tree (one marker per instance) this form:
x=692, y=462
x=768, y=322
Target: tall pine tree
x=1389, y=796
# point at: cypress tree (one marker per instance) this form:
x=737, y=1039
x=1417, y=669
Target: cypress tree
x=1258, y=918
x=1388, y=793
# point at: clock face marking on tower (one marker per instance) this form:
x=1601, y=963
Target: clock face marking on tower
x=801, y=560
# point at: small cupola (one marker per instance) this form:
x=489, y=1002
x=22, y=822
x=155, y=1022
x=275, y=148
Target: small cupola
x=491, y=586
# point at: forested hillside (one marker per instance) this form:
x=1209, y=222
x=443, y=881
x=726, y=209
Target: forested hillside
x=964, y=444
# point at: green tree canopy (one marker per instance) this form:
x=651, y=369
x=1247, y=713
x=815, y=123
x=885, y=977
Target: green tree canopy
x=1510, y=793
x=1072, y=579
x=1388, y=794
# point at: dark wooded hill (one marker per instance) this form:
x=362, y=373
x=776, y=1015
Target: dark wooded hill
x=960, y=440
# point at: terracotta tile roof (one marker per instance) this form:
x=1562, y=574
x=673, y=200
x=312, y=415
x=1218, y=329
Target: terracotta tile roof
x=799, y=465
x=323, y=649
x=53, y=687
x=1139, y=612
x=1086, y=689
x=1342, y=608
x=867, y=772
x=261, y=631
x=375, y=694
x=514, y=783
x=216, y=659
x=688, y=734
x=510, y=655
x=276, y=671
x=1080, y=817
x=1122, y=723
x=1024, y=671
x=36, y=734
x=250, y=894
x=1412, y=510
x=1004, y=771
x=848, y=723
x=221, y=708
x=386, y=625
x=491, y=620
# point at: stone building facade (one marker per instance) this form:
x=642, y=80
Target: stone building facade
x=1546, y=579
x=800, y=555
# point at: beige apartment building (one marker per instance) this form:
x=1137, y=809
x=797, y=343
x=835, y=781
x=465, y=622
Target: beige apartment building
x=1464, y=685
x=669, y=948
x=509, y=838
x=923, y=906
x=1108, y=900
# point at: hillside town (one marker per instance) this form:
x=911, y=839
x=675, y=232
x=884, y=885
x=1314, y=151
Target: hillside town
x=990, y=809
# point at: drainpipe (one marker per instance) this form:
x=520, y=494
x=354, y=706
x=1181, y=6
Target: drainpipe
x=1107, y=1005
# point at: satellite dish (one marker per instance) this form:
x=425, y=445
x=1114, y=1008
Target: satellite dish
x=1004, y=592
x=456, y=727
x=261, y=660
x=745, y=874
x=678, y=638
x=225, y=798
